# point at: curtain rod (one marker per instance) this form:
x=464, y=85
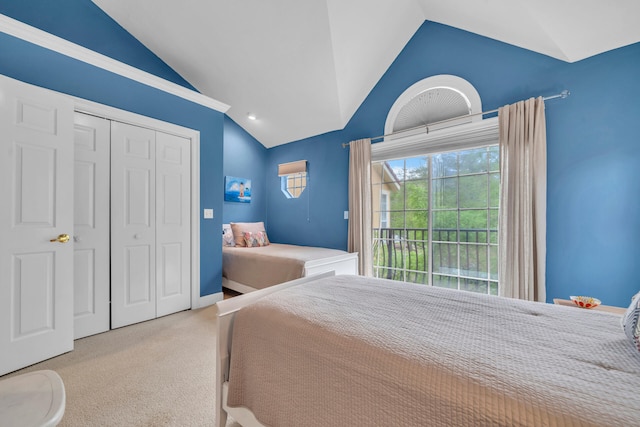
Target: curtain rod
x=565, y=93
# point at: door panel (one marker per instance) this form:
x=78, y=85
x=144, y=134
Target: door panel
x=170, y=269
x=33, y=294
x=34, y=188
x=173, y=227
x=36, y=116
x=138, y=197
x=133, y=185
x=137, y=278
x=84, y=275
x=91, y=225
x=36, y=181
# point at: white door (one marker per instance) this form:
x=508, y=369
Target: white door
x=133, y=225
x=36, y=189
x=91, y=225
x=173, y=223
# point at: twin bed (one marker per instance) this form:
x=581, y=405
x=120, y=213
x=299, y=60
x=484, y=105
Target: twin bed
x=279, y=263
x=246, y=269
x=347, y=350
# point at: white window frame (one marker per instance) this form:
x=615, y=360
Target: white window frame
x=429, y=241
x=458, y=84
x=384, y=213
x=288, y=189
x=464, y=134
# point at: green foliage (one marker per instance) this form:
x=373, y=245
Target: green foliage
x=465, y=191
x=466, y=182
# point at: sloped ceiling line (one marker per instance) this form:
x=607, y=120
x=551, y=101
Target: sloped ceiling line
x=241, y=52
x=43, y=39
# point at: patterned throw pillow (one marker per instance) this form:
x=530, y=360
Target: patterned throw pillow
x=255, y=239
x=630, y=322
x=239, y=228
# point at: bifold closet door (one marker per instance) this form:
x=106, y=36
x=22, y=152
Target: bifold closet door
x=173, y=223
x=133, y=224
x=91, y=225
x=150, y=224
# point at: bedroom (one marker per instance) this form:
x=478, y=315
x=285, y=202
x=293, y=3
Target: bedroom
x=590, y=225
x=592, y=140
x=588, y=216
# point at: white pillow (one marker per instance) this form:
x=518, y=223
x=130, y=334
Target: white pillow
x=227, y=237
x=630, y=323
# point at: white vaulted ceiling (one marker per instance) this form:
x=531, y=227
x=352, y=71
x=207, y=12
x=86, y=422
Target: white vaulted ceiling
x=304, y=66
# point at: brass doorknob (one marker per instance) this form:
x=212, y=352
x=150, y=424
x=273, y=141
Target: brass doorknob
x=63, y=238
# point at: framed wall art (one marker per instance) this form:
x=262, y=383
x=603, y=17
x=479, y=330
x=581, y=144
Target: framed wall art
x=237, y=189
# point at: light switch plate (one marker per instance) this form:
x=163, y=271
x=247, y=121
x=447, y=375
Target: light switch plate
x=346, y=214
x=208, y=213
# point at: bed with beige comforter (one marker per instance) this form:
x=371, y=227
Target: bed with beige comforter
x=353, y=351
x=260, y=267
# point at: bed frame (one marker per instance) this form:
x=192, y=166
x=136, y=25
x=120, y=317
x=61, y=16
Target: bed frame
x=226, y=313
x=340, y=264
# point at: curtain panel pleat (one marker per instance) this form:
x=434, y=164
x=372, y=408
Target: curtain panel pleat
x=523, y=189
x=359, y=228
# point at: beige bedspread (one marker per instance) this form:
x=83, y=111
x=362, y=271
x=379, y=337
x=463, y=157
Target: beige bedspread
x=269, y=265
x=350, y=351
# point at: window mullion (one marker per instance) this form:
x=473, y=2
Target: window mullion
x=458, y=232
x=430, y=217
x=403, y=241
x=488, y=243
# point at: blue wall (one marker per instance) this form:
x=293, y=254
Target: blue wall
x=245, y=157
x=593, y=154
x=593, y=147
x=41, y=67
x=316, y=218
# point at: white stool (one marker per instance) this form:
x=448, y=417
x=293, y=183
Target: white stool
x=34, y=399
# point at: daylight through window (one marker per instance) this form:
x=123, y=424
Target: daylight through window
x=293, y=178
x=435, y=219
x=293, y=185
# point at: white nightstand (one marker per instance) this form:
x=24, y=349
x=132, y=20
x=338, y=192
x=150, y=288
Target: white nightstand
x=607, y=308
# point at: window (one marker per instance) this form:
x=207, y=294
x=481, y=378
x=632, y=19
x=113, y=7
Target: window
x=293, y=185
x=442, y=220
x=436, y=193
x=293, y=178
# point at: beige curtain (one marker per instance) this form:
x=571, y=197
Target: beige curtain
x=523, y=200
x=360, y=204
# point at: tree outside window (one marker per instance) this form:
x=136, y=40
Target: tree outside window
x=441, y=216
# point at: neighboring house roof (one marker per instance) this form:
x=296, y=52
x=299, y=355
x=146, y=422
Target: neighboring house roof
x=392, y=174
x=384, y=169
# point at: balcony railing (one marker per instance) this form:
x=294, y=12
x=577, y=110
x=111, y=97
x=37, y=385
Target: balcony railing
x=462, y=258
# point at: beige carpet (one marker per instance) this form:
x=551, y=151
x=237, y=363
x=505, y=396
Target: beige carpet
x=155, y=373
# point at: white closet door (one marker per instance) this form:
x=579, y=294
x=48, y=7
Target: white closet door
x=133, y=225
x=91, y=225
x=36, y=189
x=173, y=224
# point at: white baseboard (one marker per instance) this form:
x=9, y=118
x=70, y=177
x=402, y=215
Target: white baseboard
x=207, y=300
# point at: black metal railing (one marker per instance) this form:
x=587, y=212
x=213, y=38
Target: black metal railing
x=403, y=254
